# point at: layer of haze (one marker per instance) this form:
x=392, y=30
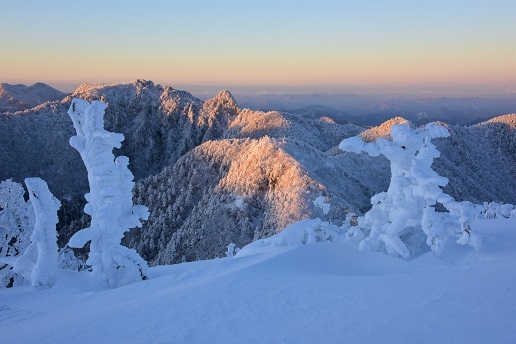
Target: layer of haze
x=336, y=46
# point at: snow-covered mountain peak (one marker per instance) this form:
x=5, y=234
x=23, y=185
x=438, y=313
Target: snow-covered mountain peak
x=226, y=97
x=85, y=88
x=142, y=83
x=223, y=100
x=509, y=119
x=383, y=130
x=140, y=91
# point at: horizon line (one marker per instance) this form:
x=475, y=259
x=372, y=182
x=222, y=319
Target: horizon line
x=410, y=89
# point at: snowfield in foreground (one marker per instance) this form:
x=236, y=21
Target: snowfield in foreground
x=317, y=293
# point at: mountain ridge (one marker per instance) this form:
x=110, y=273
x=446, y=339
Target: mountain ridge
x=372, y=110
x=19, y=97
x=187, y=158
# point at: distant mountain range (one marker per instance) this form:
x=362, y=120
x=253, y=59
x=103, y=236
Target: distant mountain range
x=19, y=97
x=374, y=110
x=213, y=173
x=363, y=110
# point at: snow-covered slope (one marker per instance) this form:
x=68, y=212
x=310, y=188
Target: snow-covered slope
x=318, y=293
x=18, y=97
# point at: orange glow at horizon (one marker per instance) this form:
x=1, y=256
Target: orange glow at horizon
x=320, y=43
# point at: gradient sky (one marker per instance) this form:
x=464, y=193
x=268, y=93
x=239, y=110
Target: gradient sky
x=324, y=45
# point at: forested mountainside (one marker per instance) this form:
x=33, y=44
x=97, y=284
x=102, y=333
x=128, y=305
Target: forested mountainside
x=160, y=125
x=212, y=173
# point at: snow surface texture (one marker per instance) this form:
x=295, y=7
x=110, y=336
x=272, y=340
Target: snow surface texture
x=326, y=292
x=39, y=261
x=109, y=200
x=404, y=216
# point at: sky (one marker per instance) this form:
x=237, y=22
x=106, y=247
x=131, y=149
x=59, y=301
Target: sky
x=334, y=46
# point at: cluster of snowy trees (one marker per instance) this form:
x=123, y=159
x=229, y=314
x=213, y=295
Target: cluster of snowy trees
x=109, y=204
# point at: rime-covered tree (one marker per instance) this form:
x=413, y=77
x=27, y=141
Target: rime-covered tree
x=15, y=219
x=16, y=223
x=494, y=210
x=404, y=216
x=39, y=261
x=109, y=200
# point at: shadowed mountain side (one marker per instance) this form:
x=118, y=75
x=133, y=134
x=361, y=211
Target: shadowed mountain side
x=35, y=143
x=160, y=125
x=478, y=160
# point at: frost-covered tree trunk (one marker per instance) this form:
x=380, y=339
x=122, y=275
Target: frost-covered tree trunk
x=109, y=200
x=39, y=262
x=402, y=217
